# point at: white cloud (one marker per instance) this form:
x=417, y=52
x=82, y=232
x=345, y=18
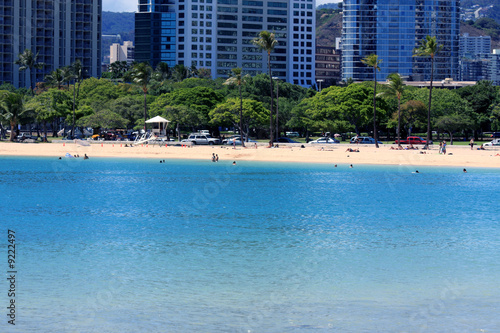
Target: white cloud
x=119, y=5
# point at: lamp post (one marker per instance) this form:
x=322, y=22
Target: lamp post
x=277, y=105
x=319, y=81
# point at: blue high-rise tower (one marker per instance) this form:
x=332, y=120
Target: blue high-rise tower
x=391, y=29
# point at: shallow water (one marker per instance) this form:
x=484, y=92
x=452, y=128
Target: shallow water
x=119, y=245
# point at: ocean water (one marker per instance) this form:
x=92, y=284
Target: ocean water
x=134, y=245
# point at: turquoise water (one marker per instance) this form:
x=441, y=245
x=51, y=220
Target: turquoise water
x=116, y=245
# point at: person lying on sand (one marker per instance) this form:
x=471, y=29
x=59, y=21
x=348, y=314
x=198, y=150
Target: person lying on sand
x=350, y=150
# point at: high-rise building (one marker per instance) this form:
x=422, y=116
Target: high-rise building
x=123, y=52
x=472, y=47
x=493, y=72
x=327, y=66
x=59, y=32
x=392, y=29
x=474, y=52
x=217, y=35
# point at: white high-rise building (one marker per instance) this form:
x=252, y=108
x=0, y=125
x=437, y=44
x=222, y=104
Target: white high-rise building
x=123, y=52
x=217, y=35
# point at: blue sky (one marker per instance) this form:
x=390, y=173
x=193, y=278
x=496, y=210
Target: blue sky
x=131, y=5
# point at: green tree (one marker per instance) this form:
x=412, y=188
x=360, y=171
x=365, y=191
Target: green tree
x=199, y=99
x=103, y=119
x=180, y=72
x=239, y=113
x=373, y=61
x=236, y=78
x=395, y=89
x=181, y=115
x=11, y=109
x=141, y=75
x=267, y=41
x=413, y=113
x=29, y=60
x=481, y=98
x=428, y=48
x=55, y=78
x=352, y=104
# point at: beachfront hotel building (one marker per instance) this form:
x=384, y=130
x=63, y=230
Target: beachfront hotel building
x=58, y=31
x=217, y=35
x=391, y=29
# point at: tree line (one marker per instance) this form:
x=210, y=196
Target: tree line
x=128, y=95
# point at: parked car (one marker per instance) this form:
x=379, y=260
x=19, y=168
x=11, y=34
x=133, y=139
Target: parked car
x=285, y=140
x=414, y=140
x=364, y=140
x=235, y=139
x=495, y=142
x=292, y=134
x=201, y=139
x=24, y=136
x=324, y=140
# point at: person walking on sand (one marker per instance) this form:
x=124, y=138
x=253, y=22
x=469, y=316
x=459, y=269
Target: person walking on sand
x=443, y=149
x=471, y=144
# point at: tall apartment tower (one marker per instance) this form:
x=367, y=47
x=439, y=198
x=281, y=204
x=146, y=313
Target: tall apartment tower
x=217, y=35
x=58, y=31
x=392, y=29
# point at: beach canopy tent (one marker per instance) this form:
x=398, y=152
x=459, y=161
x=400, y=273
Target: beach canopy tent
x=161, y=129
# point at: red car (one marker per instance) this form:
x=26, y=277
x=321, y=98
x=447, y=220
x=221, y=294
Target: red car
x=414, y=140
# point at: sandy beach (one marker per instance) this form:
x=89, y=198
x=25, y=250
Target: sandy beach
x=459, y=156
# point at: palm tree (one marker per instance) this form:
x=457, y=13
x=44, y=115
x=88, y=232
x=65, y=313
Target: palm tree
x=373, y=61
x=28, y=60
x=68, y=75
x=77, y=75
x=395, y=88
x=237, y=79
x=141, y=75
x=162, y=72
x=56, y=78
x=267, y=41
x=428, y=48
x=11, y=108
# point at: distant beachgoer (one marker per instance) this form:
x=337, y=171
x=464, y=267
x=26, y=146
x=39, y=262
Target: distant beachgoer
x=441, y=147
x=465, y=170
x=161, y=161
x=60, y=158
x=444, y=147
x=335, y=165
x=85, y=157
x=234, y=162
x=256, y=145
x=350, y=166
x=482, y=147
x=213, y=157
x=216, y=157
x=416, y=171
x=471, y=144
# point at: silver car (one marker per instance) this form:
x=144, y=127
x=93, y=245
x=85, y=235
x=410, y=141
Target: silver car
x=202, y=139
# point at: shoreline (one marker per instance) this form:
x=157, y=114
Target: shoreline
x=459, y=156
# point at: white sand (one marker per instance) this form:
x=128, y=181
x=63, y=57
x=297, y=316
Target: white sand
x=460, y=156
